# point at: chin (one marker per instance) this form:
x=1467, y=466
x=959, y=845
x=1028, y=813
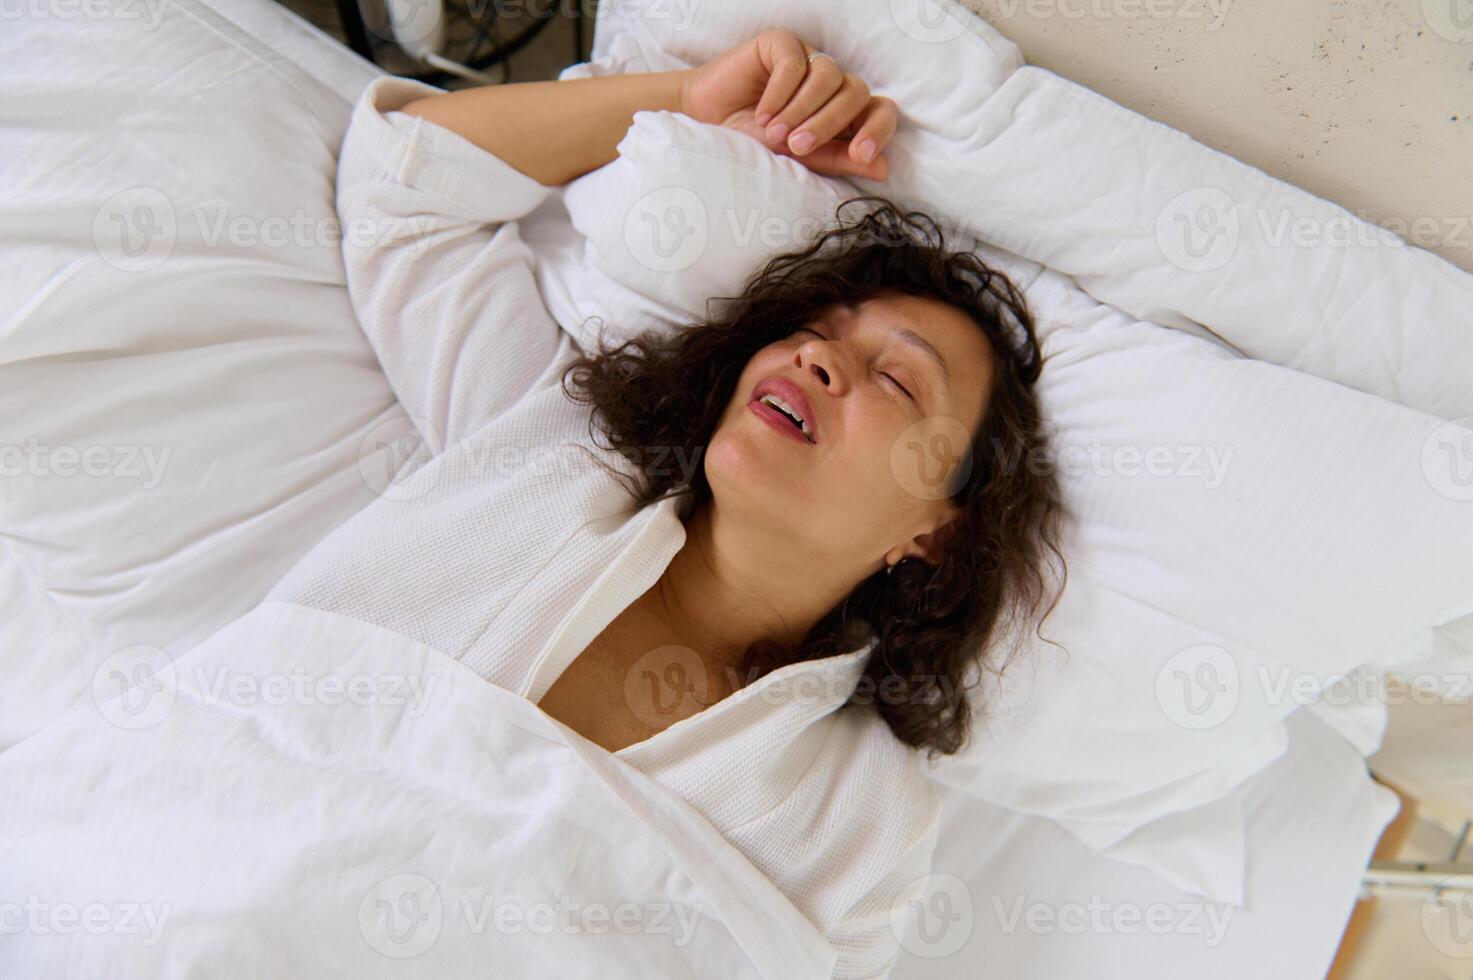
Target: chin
x=754, y=464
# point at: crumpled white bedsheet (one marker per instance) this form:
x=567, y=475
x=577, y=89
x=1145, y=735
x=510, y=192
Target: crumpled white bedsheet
x=308, y=795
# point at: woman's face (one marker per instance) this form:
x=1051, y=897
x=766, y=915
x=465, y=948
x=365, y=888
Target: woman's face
x=891, y=393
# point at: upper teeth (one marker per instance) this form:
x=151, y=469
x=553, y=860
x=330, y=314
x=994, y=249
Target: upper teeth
x=787, y=409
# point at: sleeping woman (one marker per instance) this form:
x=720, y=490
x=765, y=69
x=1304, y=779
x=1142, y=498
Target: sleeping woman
x=783, y=537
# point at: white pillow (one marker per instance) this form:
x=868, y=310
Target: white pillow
x=1274, y=553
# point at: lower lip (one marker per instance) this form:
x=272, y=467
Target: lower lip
x=778, y=421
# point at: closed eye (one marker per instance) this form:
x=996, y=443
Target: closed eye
x=901, y=387
x=893, y=380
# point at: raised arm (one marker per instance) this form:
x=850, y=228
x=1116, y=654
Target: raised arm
x=431, y=185
x=556, y=131
x=552, y=131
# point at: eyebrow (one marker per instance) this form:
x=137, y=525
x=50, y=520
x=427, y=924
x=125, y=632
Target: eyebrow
x=924, y=346
x=913, y=339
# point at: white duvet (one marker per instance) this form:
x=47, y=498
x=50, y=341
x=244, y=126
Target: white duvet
x=309, y=795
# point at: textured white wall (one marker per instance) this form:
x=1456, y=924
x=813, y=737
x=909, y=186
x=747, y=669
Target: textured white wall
x=1367, y=103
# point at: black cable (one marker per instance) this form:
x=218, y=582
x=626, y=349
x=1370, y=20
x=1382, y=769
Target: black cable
x=357, y=37
x=486, y=29
x=353, y=28
x=577, y=31
x=505, y=51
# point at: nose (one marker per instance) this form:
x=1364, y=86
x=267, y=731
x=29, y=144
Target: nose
x=819, y=359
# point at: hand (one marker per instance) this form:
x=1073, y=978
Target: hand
x=766, y=88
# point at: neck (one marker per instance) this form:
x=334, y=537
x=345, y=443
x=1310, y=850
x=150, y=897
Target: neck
x=727, y=588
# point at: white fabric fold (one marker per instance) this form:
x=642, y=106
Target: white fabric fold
x=307, y=793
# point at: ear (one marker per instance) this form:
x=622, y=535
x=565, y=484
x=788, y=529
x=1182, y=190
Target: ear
x=931, y=546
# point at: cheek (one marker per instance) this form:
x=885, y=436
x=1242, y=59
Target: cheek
x=920, y=461
x=869, y=473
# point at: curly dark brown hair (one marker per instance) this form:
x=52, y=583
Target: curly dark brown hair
x=929, y=623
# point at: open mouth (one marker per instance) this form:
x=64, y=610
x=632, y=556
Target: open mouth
x=781, y=416
x=778, y=399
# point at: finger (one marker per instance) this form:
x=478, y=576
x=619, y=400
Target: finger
x=830, y=120
x=781, y=53
x=834, y=157
x=874, y=127
x=822, y=80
